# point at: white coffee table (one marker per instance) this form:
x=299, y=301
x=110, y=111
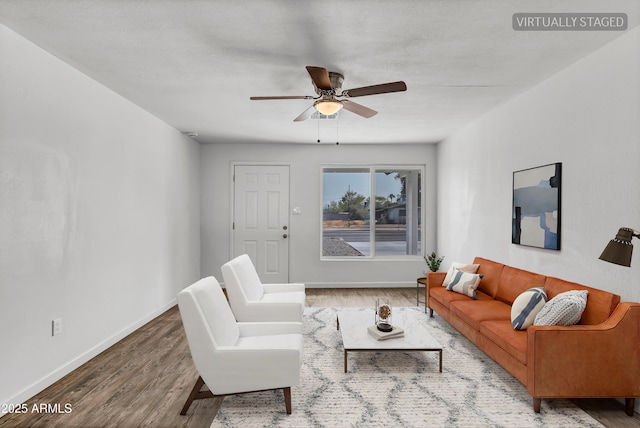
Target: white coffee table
x=353, y=326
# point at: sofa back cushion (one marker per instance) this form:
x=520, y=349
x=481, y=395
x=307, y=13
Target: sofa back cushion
x=600, y=303
x=491, y=271
x=514, y=281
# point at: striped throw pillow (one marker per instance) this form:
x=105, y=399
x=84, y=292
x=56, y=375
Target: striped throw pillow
x=465, y=283
x=526, y=307
x=458, y=266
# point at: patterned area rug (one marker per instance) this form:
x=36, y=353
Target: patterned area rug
x=397, y=389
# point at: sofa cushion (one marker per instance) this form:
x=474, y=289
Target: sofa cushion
x=514, y=282
x=473, y=268
x=445, y=297
x=473, y=312
x=502, y=334
x=464, y=283
x=564, y=309
x=601, y=303
x=491, y=271
x=526, y=307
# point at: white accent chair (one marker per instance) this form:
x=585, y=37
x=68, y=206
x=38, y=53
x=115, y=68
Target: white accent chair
x=251, y=300
x=236, y=358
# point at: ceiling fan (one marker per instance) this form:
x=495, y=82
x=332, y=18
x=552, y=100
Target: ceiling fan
x=328, y=87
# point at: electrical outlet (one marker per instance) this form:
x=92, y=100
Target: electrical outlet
x=56, y=327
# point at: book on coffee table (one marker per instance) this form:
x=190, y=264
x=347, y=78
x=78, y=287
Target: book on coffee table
x=384, y=335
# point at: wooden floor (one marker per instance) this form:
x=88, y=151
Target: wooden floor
x=144, y=379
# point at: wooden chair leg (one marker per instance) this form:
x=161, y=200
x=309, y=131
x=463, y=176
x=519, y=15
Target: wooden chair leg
x=196, y=394
x=536, y=404
x=630, y=404
x=287, y=399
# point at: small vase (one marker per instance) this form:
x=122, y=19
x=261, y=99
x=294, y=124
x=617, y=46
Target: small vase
x=383, y=316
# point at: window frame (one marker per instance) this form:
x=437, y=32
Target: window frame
x=372, y=169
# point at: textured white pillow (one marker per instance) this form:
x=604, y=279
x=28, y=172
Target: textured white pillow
x=526, y=307
x=564, y=309
x=458, y=266
x=464, y=283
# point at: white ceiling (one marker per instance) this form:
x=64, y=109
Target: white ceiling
x=195, y=63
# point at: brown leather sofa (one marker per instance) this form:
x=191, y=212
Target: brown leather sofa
x=599, y=357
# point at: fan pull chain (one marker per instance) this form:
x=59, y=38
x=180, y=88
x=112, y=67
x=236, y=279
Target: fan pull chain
x=318, y=119
x=337, y=123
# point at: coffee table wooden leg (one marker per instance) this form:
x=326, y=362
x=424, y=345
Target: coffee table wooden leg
x=345, y=360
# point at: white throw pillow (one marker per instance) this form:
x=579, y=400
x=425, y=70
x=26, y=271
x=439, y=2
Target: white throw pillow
x=564, y=309
x=464, y=283
x=526, y=307
x=458, y=266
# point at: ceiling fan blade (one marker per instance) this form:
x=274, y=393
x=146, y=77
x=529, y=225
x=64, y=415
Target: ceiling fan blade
x=358, y=109
x=320, y=77
x=285, y=97
x=305, y=114
x=375, y=89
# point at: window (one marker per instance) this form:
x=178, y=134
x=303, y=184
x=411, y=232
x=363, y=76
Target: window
x=348, y=211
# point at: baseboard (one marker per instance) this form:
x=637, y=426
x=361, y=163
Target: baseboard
x=354, y=284
x=67, y=368
x=360, y=284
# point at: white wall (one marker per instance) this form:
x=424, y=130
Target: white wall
x=306, y=162
x=588, y=118
x=99, y=217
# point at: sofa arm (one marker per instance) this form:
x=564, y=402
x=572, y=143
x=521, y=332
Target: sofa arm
x=586, y=360
x=435, y=279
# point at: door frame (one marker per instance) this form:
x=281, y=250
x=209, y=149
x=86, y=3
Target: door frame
x=232, y=194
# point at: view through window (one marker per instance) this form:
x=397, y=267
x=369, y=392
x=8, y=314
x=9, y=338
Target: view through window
x=348, y=212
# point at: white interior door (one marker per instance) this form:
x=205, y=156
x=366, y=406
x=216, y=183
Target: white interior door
x=261, y=219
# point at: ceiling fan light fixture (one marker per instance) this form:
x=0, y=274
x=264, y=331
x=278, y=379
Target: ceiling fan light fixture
x=328, y=107
x=328, y=86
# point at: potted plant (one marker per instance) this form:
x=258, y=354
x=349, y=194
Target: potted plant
x=433, y=261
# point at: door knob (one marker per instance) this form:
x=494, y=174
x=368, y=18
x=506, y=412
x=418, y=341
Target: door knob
x=285, y=235
x=284, y=227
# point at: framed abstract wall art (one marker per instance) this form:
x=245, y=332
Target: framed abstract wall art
x=536, y=206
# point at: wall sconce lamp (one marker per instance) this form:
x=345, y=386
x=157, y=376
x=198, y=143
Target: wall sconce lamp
x=620, y=248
